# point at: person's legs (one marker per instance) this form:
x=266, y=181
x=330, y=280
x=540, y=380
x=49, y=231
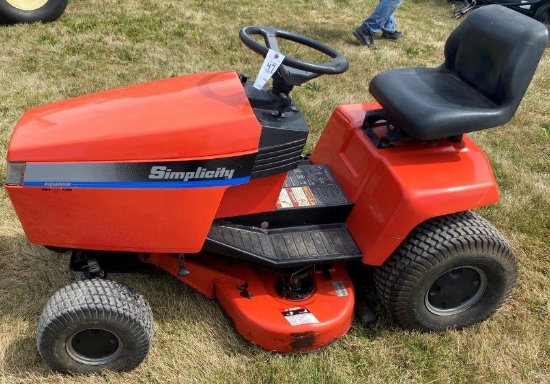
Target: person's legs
x=389, y=25
x=382, y=17
x=389, y=30
x=364, y=37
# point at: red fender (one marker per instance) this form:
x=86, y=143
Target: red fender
x=395, y=189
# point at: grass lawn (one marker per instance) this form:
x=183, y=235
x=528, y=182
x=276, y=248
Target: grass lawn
x=100, y=44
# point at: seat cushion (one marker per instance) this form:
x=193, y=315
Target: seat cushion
x=432, y=103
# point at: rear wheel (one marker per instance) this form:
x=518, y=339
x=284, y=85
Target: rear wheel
x=450, y=272
x=29, y=11
x=95, y=325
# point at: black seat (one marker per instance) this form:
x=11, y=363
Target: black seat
x=490, y=59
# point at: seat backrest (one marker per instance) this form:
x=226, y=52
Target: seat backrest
x=496, y=51
x=490, y=59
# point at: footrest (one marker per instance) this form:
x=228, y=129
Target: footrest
x=283, y=247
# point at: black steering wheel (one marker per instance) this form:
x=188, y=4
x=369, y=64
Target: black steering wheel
x=294, y=71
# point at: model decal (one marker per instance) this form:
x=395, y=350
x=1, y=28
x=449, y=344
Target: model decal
x=163, y=172
x=167, y=174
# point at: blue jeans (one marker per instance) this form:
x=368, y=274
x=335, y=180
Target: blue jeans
x=382, y=18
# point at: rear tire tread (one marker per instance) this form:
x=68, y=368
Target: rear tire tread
x=426, y=246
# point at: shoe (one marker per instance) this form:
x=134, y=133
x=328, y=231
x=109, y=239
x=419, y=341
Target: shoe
x=364, y=37
x=391, y=35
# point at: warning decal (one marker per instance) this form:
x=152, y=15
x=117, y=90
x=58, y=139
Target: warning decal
x=296, y=197
x=340, y=288
x=299, y=316
x=284, y=200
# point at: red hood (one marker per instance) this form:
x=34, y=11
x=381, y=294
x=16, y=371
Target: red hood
x=188, y=117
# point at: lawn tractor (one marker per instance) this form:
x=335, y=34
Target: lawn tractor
x=203, y=176
x=30, y=11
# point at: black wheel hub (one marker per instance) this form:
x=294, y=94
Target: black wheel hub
x=456, y=290
x=94, y=346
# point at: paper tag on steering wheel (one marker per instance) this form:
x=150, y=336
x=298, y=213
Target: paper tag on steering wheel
x=272, y=61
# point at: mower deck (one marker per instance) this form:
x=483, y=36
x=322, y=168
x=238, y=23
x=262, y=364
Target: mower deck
x=265, y=318
x=281, y=313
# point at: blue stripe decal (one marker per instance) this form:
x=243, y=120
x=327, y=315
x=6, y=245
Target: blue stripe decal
x=137, y=184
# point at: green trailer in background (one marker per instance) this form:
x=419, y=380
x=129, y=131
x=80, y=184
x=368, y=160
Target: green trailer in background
x=29, y=11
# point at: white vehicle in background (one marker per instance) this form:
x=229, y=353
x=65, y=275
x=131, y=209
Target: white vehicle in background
x=29, y=11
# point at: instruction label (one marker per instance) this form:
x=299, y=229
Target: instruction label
x=308, y=186
x=299, y=316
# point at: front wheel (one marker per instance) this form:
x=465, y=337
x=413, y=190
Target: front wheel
x=95, y=325
x=30, y=11
x=451, y=272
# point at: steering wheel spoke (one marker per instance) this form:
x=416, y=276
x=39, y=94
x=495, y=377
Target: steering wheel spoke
x=271, y=42
x=293, y=76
